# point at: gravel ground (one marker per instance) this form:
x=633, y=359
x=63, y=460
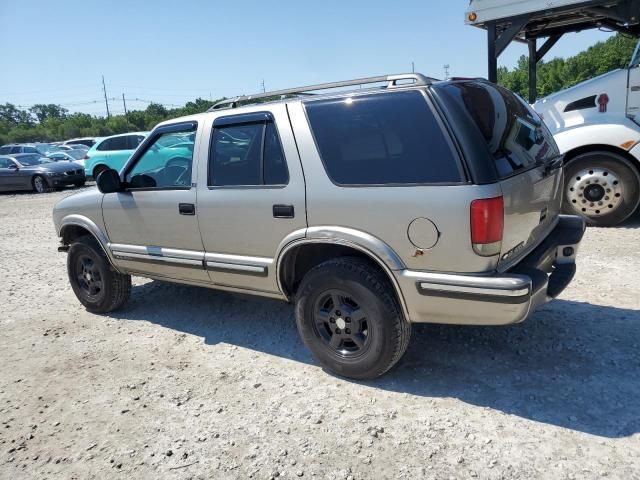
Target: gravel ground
x=193, y=383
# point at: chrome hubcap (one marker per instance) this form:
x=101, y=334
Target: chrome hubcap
x=595, y=191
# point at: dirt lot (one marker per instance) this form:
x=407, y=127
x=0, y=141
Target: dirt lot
x=193, y=383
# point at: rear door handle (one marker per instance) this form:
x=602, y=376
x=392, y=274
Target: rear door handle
x=187, y=208
x=635, y=88
x=283, y=211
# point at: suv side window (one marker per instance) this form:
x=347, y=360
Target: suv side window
x=133, y=141
x=17, y=149
x=382, y=139
x=115, y=143
x=247, y=154
x=166, y=163
x=30, y=150
x=5, y=150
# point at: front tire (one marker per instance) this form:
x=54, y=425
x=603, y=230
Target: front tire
x=603, y=187
x=348, y=316
x=40, y=184
x=79, y=184
x=99, y=287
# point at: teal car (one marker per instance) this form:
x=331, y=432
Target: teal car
x=170, y=150
x=111, y=152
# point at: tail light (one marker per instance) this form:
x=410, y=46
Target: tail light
x=487, y=225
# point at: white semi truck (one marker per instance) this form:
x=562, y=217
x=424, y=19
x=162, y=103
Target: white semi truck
x=596, y=123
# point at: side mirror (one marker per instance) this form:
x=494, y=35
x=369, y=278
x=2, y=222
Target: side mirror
x=13, y=166
x=109, y=181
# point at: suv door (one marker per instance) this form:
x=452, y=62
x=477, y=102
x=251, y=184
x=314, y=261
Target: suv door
x=153, y=224
x=114, y=152
x=251, y=196
x=8, y=175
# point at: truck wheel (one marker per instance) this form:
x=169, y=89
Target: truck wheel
x=603, y=187
x=349, y=318
x=94, y=281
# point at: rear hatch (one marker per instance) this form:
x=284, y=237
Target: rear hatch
x=524, y=156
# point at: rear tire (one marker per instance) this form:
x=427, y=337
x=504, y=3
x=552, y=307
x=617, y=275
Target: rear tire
x=39, y=184
x=98, y=286
x=349, y=318
x=602, y=187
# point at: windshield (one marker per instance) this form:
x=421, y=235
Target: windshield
x=32, y=160
x=635, y=59
x=76, y=154
x=45, y=148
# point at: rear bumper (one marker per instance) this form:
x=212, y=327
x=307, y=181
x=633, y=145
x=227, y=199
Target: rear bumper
x=498, y=299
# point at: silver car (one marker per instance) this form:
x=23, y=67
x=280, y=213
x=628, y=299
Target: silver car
x=371, y=209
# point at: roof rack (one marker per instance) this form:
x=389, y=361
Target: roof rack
x=392, y=81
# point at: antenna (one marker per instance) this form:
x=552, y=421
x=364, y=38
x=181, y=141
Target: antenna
x=446, y=72
x=262, y=85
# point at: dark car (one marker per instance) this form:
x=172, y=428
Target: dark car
x=27, y=171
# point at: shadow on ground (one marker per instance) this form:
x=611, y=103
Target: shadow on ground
x=573, y=365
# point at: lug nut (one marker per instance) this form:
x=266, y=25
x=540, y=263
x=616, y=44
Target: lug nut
x=338, y=331
x=348, y=319
x=338, y=313
x=347, y=331
x=332, y=320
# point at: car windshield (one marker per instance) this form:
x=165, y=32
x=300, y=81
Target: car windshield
x=32, y=160
x=635, y=59
x=76, y=154
x=45, y=148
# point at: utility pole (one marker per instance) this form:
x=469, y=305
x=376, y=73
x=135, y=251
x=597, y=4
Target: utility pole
x=262, y=84
x=446, y=72
x=106, y=102
x=124, y=104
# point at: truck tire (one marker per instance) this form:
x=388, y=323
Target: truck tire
x=350, y=320
x=603, y=187
x=97, y=285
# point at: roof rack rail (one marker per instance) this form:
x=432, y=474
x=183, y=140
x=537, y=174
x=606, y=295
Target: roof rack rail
x=392, y=81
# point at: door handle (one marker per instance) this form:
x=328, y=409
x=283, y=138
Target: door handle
x=187, y=209
x=635, y=88
x=283, y=211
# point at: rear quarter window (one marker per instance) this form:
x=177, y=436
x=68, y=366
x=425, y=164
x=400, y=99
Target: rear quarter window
x=382, y=139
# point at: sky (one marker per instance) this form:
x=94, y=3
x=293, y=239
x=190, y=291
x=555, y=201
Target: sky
x=171, y=52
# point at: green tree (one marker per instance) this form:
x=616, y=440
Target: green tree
x=560, y=73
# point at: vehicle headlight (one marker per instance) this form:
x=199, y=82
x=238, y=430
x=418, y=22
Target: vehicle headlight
x=53, y=174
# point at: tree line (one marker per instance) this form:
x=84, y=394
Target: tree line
x=50, y=122
x=560, y=73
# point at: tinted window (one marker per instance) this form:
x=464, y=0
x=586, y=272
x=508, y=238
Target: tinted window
x=133, y=141
x=275, y=165
x=5, y=162
x=5, y=150
x=16, y=149
x=164, y=167
x=514, y=134
x=247, y=154
x=30, y=150
x=32, y=160
x=381, y=139
x=115, y=143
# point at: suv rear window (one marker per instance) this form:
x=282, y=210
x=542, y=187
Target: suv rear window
x=382, y=139
x=115, y=143
x=515, y=136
